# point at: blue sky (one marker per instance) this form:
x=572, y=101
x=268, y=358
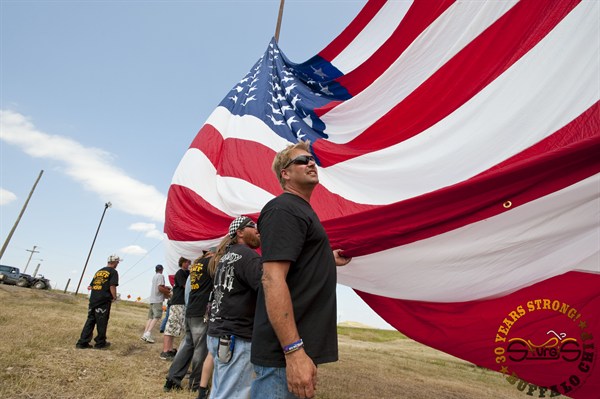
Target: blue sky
x=105, y=97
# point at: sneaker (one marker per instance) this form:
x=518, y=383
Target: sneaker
x=83, y=346
x=167, y=355
x=171, y=385
x=148, y=338
x=173, y=351
x=102, y=346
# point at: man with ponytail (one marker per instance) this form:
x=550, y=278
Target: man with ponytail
x=237, y=270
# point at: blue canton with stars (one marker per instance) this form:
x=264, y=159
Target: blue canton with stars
x=284, y=95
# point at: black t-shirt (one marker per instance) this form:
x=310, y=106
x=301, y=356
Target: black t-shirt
x=178, y=297
x=291, y=231
x=236, y=282
x=100, y=284
x=200, y=287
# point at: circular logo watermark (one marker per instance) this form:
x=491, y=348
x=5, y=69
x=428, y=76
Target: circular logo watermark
x=556, y=349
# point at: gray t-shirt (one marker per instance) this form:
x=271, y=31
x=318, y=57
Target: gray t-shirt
x=155, y=295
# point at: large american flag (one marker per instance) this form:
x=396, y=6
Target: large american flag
x=459, y=153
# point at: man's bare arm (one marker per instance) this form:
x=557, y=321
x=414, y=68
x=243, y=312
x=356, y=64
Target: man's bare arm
x=301, y=372
x=279, y=301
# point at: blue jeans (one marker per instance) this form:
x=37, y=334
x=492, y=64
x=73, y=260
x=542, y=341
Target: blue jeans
x=234, y=378
x=164, y=322
x=191, y=350
x=270, y=383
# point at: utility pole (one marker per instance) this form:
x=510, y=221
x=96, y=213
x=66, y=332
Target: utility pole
x=33, y=251
x=67, y=286
x=36, y=270
x=20, y=215
x=106, y=206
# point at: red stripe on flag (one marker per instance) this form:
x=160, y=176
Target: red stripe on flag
x=365, y=15
x=470, y=201
x=210, y=141
x=326, y=108
x=471, y=70
x=257, y=160
x=188, y=217
x=585, y=126
x=420, y=15
x=525, y=177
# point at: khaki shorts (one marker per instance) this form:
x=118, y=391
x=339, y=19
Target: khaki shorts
x=155, y=311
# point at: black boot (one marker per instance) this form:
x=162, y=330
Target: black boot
x=202, y=393
x=171, y=386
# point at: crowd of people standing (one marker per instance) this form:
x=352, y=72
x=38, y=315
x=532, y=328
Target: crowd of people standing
x=247, y=320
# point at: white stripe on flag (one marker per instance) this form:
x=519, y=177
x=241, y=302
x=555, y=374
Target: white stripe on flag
x=441, y=41
x=540, y=239
x=377, y=31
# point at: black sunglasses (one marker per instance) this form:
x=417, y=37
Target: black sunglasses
x=301, y=160
x=251, y=225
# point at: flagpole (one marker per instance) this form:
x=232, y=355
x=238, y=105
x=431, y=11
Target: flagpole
x=279, y=18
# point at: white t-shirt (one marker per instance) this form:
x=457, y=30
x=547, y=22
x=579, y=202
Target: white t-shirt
x=155, y=295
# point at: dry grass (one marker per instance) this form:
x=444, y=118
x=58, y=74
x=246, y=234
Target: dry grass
x=38, y=359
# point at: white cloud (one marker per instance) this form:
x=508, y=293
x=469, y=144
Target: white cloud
x=149, y=229
x=159, y=235
x=92, y=167
x=6, y=197
x=142, y=226
x=133, y=250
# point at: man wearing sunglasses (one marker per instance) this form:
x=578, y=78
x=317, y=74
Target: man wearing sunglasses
x=295, y=321
x=237, y=270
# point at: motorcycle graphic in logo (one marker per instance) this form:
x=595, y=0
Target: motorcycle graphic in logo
x=549, y=339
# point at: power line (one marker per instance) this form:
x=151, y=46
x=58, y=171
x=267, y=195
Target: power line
x=136, y=263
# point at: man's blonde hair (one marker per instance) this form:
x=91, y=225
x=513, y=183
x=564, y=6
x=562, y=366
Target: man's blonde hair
x=283, y=157
x=219, y=252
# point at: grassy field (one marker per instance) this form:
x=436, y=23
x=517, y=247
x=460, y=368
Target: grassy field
x=38, y=359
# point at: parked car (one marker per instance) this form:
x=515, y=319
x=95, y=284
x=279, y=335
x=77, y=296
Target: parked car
x=9, y=275
x=39, y=282
x=25, y=280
